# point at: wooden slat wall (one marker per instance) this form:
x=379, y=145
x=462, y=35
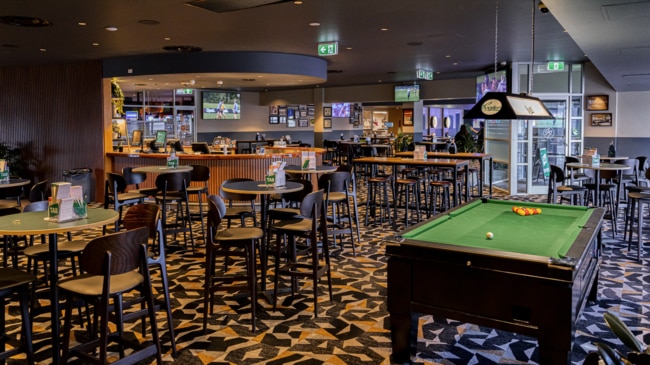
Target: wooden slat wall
x=55, y=114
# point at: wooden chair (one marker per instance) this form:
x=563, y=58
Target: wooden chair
x=16, y=282
x=311, y=226
x=557, y=188
x=115, y=193
x=148, y=215
x=172, y=189
x=115, y=264
x=238, y=212
x=200, y=175
x=230, y=242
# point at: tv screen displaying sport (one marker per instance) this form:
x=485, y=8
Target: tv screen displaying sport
x=495, y=81
x=407, y=93
x=341, y=110
x=221, y=105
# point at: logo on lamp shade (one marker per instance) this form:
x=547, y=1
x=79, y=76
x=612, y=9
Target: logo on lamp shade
x=491, y=107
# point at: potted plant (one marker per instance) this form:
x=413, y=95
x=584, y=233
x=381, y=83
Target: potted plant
x=117, y=98
x=639, y=353
x=12, y=156
x=402, y=141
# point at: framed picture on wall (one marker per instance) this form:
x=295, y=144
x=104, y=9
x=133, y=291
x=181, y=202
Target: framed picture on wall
x=327, y=111
x=601, y=119
x=303, y=122
x=407, y=115
x=311, y=111
x=597, y=102
x=273, y=119
x=283, y=119
x=273, y=110
x=327, y=122
x=291, y=123
x=282, y=111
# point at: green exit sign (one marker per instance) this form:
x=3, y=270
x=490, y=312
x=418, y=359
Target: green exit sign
x=555, y=66
x=328, y=48
x=424, y=74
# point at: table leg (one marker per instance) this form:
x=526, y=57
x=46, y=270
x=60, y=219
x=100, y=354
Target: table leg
x=467, y=194
x=394, y=185
x=455, y=178
x=263, y=247
x=491, y=171
x=54, y=299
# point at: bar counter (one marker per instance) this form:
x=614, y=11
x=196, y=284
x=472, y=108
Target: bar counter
x=222, y=167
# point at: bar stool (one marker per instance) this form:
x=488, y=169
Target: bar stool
x=16, y=282
x=637, y=200
x=200, y=174
x=409, y=189
x=440, y=190
x=378, y=196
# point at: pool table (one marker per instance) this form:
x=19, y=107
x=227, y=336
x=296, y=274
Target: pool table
x=534, y=277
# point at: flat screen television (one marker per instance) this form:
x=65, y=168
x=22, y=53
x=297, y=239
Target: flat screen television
x=341, y=110
x=131, y=115
x=495, y=81
x=407, y=93
x=221, y=105
x=136, y=138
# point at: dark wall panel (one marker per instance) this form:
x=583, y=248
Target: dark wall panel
x=54, y=114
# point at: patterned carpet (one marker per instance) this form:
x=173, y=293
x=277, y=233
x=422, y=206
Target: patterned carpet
x=354, y=327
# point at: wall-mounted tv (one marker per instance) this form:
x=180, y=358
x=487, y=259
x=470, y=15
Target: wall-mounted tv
x=221, y=104
x=495, y=81
x=340, y=110
x=407, y=93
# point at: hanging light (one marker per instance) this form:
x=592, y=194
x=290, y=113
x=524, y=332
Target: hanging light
x=503, y=106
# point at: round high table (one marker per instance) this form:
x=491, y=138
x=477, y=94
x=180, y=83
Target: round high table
x=13, y=183
x=313, y=172
x=597, y=169
x=260, y=188
x=35, y=223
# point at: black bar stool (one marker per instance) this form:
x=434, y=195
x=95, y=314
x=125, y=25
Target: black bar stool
x=16, y=282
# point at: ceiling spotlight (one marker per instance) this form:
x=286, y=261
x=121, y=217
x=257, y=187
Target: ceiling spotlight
x=542, y=7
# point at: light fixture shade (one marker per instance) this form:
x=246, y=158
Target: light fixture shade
x=502, y=106
x=433, y=121
x=446, y=122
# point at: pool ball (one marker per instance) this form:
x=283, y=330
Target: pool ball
x=489, y=235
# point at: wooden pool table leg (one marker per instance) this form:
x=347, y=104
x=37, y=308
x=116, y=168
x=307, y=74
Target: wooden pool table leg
x=403, y=335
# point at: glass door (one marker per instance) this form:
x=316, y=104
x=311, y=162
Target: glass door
x=548, y=137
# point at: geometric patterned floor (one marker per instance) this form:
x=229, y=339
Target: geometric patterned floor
x=354, y=327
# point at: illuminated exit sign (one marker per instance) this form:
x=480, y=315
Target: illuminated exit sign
x=328, y=48
x=555, y=66
x=424, y=74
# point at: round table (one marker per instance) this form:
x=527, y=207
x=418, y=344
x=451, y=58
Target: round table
x=13, y=183
x=597, y=169
x=260, y=188
x=314, y=172
x=35, y=223
x=163, y=169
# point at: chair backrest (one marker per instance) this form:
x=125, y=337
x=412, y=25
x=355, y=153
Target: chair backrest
x=337, y=181
x=173, y=181
x=39, y=206
x=115, y=253
x=349, y=169
x=643, y=163
x=216, y=211
x=200, y=173
x=115, y=183
x=557, y=175
x=235, y=196
x=145, y=215
x=312, y=205
x=38, y=192
x=633, y=172
x=133, y=178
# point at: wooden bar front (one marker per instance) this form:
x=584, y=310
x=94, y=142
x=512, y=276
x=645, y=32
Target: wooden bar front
x=222, y=167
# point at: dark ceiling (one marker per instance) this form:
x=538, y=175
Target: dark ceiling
x=454, y=38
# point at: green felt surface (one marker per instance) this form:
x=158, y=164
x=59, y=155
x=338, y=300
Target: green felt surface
x=549, y=234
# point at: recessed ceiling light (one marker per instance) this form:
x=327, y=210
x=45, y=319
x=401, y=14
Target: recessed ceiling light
x=82, y=24
x=148, y=22
x=298, y=2
x=167, y=39
x=383, y=29
x=455, y=63
x=95, y=44
x=447, y=56
x=43, y=50
x=348, y=48
x=111, y=29
x=314, y=24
